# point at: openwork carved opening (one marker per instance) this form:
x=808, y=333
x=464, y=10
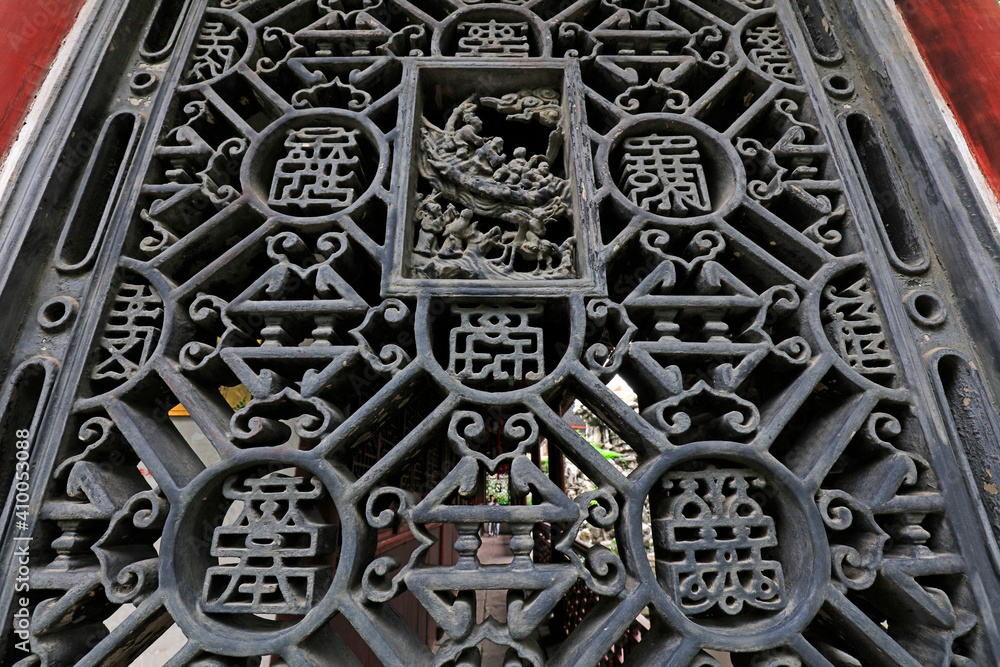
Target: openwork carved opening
x=374, y=253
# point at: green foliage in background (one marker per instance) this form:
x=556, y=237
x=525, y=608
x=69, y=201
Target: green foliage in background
x=497, y=490
x=607, y=453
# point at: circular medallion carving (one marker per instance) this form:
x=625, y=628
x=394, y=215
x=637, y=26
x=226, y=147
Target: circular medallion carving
x=509, y=346
x=716, y=541
x=257, y=550
x=674, y=168
x=727, y=568
x=315, y=163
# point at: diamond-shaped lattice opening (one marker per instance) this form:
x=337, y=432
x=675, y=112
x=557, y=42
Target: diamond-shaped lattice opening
x=168, y=436
x=804, y=442
x=856, y=640
x=406, y=410
x=181, y=258
x=605, y=421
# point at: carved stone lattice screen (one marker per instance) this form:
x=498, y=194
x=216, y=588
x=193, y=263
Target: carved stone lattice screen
x=373, y=250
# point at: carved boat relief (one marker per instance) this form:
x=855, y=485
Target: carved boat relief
x=495, y=191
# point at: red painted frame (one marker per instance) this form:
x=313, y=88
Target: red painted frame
x=33, y=31
x=960, y=41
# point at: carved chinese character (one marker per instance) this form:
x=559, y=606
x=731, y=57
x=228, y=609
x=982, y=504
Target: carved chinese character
x=493, y=39
x=497, y=345
x=767, y=49
x=130, y=334
x=712, y=539
x=217, y=49
x=319, y=168
x=269, y=540
x=856, y=329
x=664, y=174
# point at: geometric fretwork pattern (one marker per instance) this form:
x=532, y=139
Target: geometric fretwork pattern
x=372, y=251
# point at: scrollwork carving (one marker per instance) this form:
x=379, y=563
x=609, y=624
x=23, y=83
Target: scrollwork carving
x=390, y=316
x=605, y=356
x=129, y=563
x=857, y=557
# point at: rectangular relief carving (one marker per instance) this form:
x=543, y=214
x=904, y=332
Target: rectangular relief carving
x=494, y=182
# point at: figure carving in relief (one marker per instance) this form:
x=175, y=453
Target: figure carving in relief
x=432, y=223
x=472, y=181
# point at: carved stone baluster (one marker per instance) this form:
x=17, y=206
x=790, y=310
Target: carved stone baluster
x=521, y=544
x=467, y=545
x=72, y=547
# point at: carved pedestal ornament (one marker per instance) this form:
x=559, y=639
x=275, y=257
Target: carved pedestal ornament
x=357, y=265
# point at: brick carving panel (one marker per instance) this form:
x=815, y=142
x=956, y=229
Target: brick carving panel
x=368, y=257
